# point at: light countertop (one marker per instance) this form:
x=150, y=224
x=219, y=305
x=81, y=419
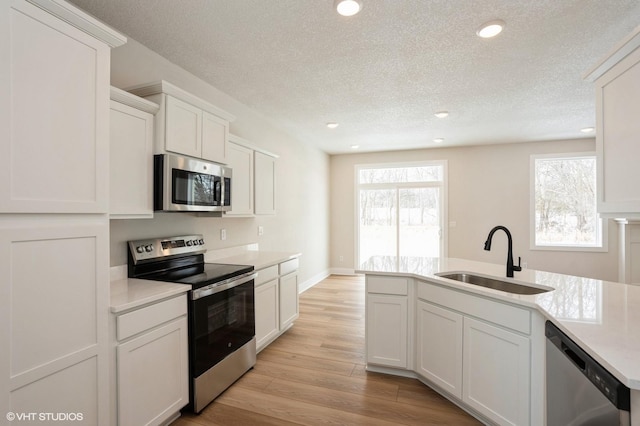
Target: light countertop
x=259, y=259
x=602, y=317
x=131, y=293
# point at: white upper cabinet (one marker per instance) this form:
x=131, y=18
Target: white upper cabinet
x=265, y=183
x=54, y=118
x=617, y=81
x=131, y=156
x=254, y=177
x=240, y=159
x=186, y=124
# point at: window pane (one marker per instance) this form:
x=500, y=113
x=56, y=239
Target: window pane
x=377, y=223
x=401, y=174
x=565, y=202
x=419, y=222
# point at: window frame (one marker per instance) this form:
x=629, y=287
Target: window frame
x=443, y=185
x=603, y=223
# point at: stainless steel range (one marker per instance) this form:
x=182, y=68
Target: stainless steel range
x=222, y=343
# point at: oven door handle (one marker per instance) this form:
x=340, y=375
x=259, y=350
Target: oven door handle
x=222, y=286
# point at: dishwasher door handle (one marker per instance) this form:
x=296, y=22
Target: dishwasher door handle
x=577, y=360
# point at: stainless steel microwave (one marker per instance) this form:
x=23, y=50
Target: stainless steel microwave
x=185, y=184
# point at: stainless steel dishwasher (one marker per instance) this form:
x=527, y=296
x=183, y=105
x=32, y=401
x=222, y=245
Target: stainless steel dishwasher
x=579, y=390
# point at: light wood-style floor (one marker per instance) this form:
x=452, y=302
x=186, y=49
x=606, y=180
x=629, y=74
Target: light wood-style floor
x=315, y=374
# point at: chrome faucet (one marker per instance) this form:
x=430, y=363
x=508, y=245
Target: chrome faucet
x=510, y=266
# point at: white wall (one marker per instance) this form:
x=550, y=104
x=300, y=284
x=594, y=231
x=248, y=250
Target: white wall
x=488, y=186
x=302, y=180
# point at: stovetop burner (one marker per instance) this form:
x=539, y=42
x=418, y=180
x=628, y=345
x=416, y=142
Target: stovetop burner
x=178, y=260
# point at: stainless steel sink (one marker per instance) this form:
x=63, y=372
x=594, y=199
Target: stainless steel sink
x=493, y=283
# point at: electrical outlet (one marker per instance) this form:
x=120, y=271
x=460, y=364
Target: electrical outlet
x=524, y=265
x=341, y=258
x=223, y=234
x=260, y=230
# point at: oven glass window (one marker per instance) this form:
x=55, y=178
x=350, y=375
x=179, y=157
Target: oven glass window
x=194, y=188
x=221, y=323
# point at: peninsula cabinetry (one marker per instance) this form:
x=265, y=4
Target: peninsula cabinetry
x=387, y=314
x=54, y=200
x=131, y=156
x=152, y=362
x=276, y=301
x=476, y=349
x=617, y=82
x=186, y=124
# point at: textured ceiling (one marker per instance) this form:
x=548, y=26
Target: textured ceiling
x=383, y=73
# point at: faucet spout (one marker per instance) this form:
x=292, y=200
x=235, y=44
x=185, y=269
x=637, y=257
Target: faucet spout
x=510, y=265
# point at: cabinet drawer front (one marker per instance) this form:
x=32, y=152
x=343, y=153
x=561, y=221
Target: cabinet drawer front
x=387, y=285
x=288, y=266
x=505, y=315
x=267, y=274
x=134, y=322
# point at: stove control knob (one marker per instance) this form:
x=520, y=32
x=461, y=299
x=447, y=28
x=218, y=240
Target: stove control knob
x=189, y=243
x=201, y=241
x=195, y=242
x=140, y=249
x=148, y=248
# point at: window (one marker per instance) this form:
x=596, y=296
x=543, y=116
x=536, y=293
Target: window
x=563, y=203
x=400, y=210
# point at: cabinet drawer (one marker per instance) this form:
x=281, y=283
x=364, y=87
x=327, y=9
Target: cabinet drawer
x=508, y=316
x=288, y=266
x=267, y=274
x=134, y=322
x=387, y=285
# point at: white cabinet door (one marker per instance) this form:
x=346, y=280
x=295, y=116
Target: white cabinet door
x=386, y=330
x=153, y=374
x=240, y=159
x=54, y=278
x=131, y=162
x=439, y=337
x=496, y=372
x=183, y=128
x=288, y=300
x=267, y=320
x=618, y=140
x=215, y=132
x=54, y=114
x=265, y=184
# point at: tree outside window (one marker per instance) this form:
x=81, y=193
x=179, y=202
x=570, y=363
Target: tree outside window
x=564, y=212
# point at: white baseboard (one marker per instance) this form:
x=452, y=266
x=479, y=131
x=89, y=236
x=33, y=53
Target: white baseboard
x=302, y=287
x=342, y=271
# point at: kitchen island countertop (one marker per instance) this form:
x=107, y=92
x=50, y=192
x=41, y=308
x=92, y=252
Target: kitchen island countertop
x=602, y=317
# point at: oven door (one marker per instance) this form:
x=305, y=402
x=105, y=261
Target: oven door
x=222, y=320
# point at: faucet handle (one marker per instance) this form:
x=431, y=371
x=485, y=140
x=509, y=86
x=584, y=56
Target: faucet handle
x=518, y=268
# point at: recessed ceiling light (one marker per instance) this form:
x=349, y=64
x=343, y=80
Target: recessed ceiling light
x=442, y=114
x=587, y=129
x=438, y=140
x=332, y=125
x=355, y=146
x=491, y=29
x=348, y=7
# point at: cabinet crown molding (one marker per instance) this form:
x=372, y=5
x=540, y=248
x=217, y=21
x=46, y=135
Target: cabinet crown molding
x=81, y=20
x=245, y=143
x=119, y=95
x=617, y=54
x=164, y=87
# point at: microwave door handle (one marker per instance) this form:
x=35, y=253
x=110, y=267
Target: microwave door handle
x=217, y=190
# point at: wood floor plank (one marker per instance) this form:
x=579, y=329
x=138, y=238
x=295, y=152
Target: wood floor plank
x=314, y=374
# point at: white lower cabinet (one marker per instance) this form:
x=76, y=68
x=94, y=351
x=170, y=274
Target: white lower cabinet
x=288, y=299
x=496, y=371
x=387, y=314
x=439, y=345
x=478, y=350
x=152, y=363
x=267, y=321
x=276, y=301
